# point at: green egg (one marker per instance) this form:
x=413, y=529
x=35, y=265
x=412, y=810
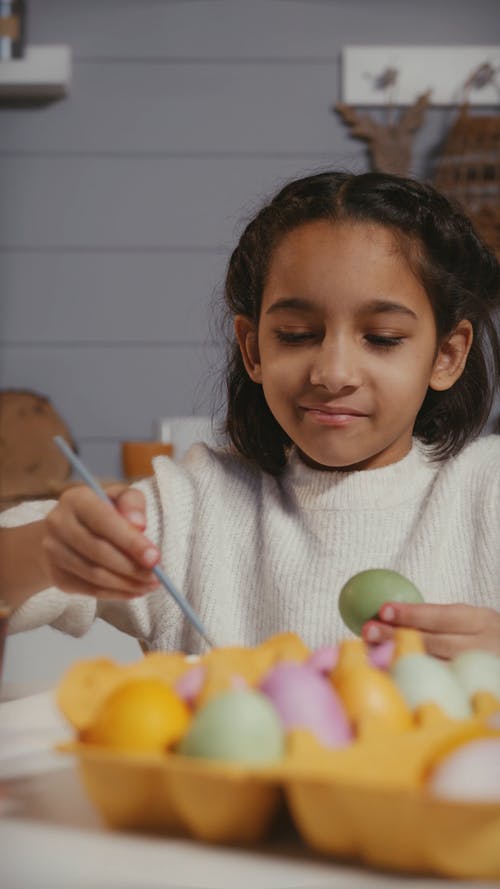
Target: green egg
x=364, y=594
x=237, y=726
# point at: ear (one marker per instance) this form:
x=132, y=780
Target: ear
x=451, y=357
x=246, y=334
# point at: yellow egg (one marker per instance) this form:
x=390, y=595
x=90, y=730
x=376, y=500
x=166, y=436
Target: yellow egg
x=370, y=697
x=141, y=715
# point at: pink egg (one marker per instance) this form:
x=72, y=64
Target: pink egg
x=190, y=684
x=305, y=699
x=493, y=721
x=324, y=659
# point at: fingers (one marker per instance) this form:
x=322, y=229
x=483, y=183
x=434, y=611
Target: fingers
x=75, y=574
x=440, y=645
x=130, y=503
x=97, y=575
x=100, y=522
x=92, y=547
x=448, y=646
x=446, y=630
x=375, y=632
x=431, y=618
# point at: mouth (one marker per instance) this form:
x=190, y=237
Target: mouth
x=329, y=415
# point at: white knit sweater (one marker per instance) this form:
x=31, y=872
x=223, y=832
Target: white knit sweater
x=256, y=555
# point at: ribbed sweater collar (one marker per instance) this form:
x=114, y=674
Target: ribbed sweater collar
x=388, y=486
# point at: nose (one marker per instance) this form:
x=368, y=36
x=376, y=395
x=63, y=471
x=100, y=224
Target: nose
x=336, y=366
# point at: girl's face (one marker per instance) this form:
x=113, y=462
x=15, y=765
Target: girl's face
x=346, y=345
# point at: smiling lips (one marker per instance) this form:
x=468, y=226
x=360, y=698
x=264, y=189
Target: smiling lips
x=328, y=415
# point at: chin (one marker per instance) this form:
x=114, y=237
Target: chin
x=344, y=459
x=329, y=461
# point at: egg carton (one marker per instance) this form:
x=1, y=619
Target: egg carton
x=370, y=801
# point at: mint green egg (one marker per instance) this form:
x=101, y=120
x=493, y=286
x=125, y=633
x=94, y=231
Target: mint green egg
x=423, y=679
x=237, y=726
x=364, y=594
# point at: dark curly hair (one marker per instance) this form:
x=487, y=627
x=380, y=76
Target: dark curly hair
x=460, y=275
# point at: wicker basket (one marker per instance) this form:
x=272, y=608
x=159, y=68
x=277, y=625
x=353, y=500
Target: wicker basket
x=468, y=170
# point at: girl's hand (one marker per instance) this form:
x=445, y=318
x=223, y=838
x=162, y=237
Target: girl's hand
x=446, y=629
x=92, y=547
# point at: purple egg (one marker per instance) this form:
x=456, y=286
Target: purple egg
x=305, y=699
x=190, y=684
x=381, y=655
x=324, y=659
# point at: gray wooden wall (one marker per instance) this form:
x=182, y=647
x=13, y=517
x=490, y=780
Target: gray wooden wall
x=120, y=203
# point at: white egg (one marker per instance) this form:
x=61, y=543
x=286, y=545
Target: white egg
x=424, y=679
x=471, y=772
x=478, y=671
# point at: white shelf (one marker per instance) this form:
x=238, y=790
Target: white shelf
x=43, y=73
x=441, y=69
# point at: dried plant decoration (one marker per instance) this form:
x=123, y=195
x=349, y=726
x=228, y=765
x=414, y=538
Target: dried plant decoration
x=390, y=139
x=389, y=142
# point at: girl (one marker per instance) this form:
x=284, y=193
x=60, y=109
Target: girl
x=364, y=365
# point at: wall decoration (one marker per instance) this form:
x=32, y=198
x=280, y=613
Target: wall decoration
x=468, y=166
x=442, y=69
x=390, y=141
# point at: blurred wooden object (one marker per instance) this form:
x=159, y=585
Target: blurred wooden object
x=31, y=466
x=136, y=457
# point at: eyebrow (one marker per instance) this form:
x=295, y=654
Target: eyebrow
x=291, y=302
x=374, y=307
x=384, y=306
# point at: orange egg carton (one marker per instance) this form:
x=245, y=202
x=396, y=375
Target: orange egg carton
x=367, y=801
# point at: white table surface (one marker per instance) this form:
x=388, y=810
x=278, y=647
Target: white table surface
x=51, y=837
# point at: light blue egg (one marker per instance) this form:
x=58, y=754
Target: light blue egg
x=477, y=671
x=423, y=679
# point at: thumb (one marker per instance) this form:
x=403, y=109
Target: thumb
x=130, y=503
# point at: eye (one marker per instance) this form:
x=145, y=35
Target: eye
x=294, y=338
x=383, y=342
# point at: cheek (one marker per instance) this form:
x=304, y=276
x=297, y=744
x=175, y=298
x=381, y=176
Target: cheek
x=399, y=390
x=411, y=371
x=283, y=370
x=276, y=382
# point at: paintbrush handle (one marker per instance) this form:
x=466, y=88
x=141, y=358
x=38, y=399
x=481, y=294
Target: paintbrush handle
x=92, y=482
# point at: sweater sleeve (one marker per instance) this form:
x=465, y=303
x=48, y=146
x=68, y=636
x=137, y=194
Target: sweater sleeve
x=148, y=618
x=72, y=613
x=485, y=511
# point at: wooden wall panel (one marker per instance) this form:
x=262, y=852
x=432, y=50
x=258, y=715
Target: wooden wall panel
x=196, y=109
x=261, y=29
x=109, y=297
x=114, y=391
x=137, y=203
x=119, y=205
